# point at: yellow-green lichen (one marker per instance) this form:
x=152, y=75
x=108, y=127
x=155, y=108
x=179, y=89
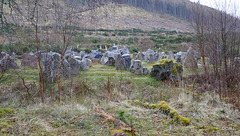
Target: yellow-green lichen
x=114, y=131
x=137, y=102
x=6, y=112
x=154, y=105
x=146, y=104
x=173, y=112
x=185, y=121
x=5, y=127
x=165, y=108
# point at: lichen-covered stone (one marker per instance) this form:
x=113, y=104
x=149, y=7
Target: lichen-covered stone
x=166, y=109
x=167, y=69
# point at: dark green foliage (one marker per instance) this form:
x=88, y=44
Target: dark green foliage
x=78, y=39
x=87, y=50
x=132, y=40
x=133, y=49
x=105, y=34
x=96, y=40
x=179, y=10
x=121, y=116
x=18, y=48
x=122, y=34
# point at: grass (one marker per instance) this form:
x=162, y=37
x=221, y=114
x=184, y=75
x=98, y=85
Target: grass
x=110, y=90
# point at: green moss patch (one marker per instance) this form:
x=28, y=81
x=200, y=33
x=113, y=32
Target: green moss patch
x=166, y=109
x=6, y=112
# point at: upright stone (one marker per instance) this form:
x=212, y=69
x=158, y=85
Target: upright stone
x=111, y=61
x=7, y=62
x=163, y=55
x=82, y=53
x=50, y=65
x=190, y=60
x=95, y=54
x=151, y=56
x=139, y=56
x=166, y=69
x=29, y=59
x=137, y=68
x=124, y=51
x=197, y=55
x=134, y=55
x=171, y=55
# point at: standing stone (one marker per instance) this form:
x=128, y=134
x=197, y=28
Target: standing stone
x=83, y=65
x=124, y=51
x=77, y=57
x=167, y=70
x=134, y=55
x=197, y=55
x=123, y=62
x=137, y=68
x=139, y=56
x=104, y=59
x=50, y=65
x=89, y=62
x=6, y=62
x=113, y=48
x=70, y=66
x=171, y=55
x=190, y=60
x=111, y=61
x=14, y=56
x=151, y=56
x=81, y=54
x=163, y=55
x=95, y=61
x=70, y=52
x=179, y=57
x=145, y=71
x=95, y=54
x=29, y=59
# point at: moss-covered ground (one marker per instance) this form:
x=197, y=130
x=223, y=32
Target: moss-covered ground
x=111, y=90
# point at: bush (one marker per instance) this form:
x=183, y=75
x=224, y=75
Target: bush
x=78, y=39
x=133, y=49
x=96, y=40
x=132, y=40
x=105, y=34
x=123, y=34
x=87, y=50
x=18, y=48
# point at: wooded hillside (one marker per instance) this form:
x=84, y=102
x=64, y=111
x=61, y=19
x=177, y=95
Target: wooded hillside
x=176, y=8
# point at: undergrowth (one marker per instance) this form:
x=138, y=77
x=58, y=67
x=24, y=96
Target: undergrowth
x=109, y=89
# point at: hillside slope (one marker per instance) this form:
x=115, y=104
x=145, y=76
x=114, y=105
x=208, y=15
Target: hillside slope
x=125, y=17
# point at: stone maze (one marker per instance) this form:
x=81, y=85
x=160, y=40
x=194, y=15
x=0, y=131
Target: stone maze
x=164, y=66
